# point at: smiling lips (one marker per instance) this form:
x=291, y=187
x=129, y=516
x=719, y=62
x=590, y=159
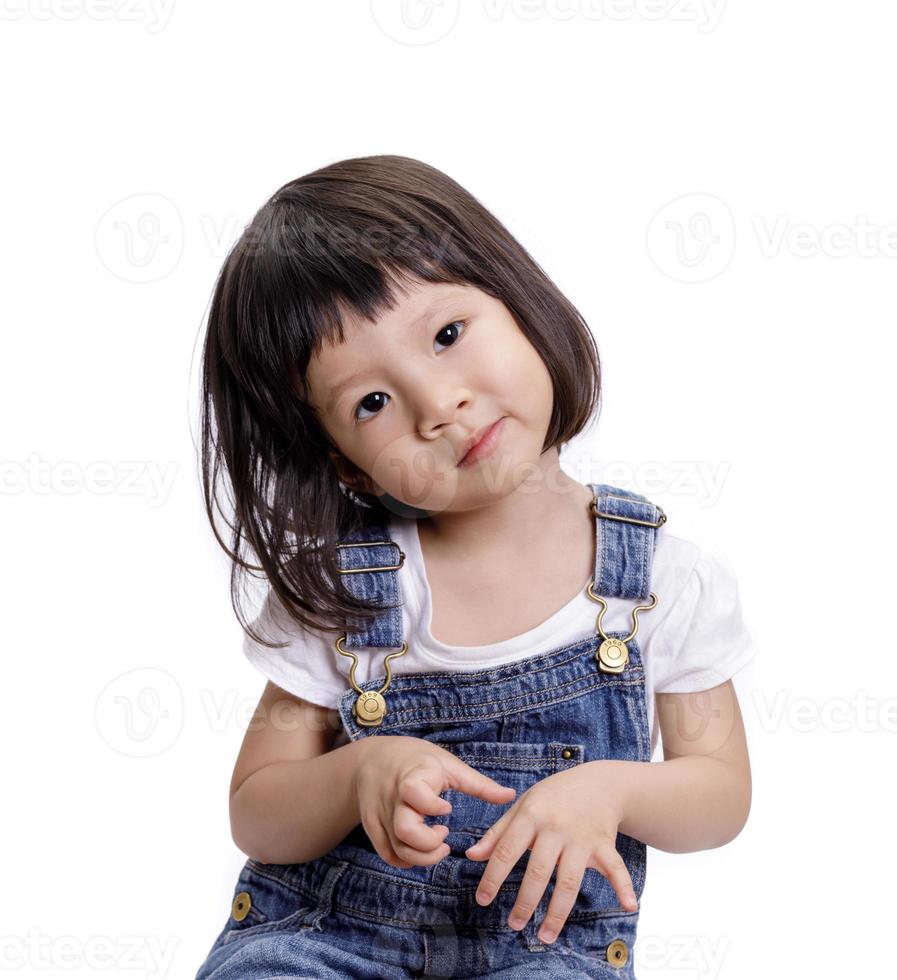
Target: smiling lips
x=482, y=443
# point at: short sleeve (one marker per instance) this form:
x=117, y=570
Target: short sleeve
x=306, y=667
x=704, y=641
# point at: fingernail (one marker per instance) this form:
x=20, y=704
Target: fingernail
x=548, y=936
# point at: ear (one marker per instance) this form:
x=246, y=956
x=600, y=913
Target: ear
x=351, y=475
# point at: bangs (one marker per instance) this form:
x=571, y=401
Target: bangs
x=308, y=275
x=343, y=243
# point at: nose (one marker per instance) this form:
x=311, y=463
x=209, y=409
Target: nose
x=438, y=405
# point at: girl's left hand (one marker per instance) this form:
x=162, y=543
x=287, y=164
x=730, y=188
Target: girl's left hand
x=569, y=817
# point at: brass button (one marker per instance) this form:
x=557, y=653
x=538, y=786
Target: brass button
x=242, y=905
x=567, y=753
x=617, y=953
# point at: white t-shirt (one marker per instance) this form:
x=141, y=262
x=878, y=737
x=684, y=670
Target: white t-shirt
x=694, y=638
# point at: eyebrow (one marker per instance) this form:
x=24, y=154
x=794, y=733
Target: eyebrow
x=428, y=313
x=337, y=390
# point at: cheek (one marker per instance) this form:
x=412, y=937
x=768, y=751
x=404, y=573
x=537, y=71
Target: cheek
x=377, y=448
x=525, y=374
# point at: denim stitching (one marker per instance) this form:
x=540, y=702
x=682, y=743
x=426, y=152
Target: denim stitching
x=262, y=928
x=367, y=913
x=458, y=892
x=642, y=539
x=492, y=709
x=506, y=764
x=634, y=673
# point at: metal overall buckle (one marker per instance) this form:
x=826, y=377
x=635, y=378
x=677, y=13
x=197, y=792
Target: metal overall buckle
x=612, y=655
x=369, y=708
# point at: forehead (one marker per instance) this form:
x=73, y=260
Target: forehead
x=412, y=305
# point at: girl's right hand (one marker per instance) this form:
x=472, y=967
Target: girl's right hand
x=398, y=780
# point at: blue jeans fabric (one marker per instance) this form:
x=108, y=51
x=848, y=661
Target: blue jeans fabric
x=350, y=914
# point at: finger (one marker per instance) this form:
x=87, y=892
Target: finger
x=416, y=856
x=382, y=844
x=467, y=779
x=506, y=853
x=612, y=866
x=539, y=869
x=567, y=882
x=483, y=847
x=394, y=852
x=409, y=828
x=419, y=795
x=431, y=853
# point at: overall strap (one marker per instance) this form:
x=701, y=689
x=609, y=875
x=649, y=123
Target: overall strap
x=369, y=562
x=626, y=526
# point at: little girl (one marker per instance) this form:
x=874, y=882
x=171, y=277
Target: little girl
x=449, y=771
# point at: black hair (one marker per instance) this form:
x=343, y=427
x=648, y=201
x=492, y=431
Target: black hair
x=341, y=238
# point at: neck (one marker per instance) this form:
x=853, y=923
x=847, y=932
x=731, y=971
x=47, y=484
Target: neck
x=548, y=507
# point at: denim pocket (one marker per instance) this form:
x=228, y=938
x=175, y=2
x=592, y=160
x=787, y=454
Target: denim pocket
x=273, y=905
x=516, y=764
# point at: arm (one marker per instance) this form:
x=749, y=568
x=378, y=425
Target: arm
x=699, y=797
x=292, y=796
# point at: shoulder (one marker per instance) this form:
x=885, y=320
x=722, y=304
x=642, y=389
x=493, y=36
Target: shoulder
x=674, y=564
x=682, y=565
x=305, y=662
x=702, y=637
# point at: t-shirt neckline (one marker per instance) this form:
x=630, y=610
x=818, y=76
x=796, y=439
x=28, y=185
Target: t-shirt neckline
x=417, y=590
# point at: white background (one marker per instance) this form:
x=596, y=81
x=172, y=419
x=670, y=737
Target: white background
x=712, y=186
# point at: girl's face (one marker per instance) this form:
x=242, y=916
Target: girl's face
x=402, y=398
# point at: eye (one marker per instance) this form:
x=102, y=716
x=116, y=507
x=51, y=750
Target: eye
x=372, y=395
x=453, y=332
x=453, y=327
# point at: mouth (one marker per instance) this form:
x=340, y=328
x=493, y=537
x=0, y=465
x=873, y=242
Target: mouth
x=485, y=443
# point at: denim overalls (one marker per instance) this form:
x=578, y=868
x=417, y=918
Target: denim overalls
x=349, y=914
